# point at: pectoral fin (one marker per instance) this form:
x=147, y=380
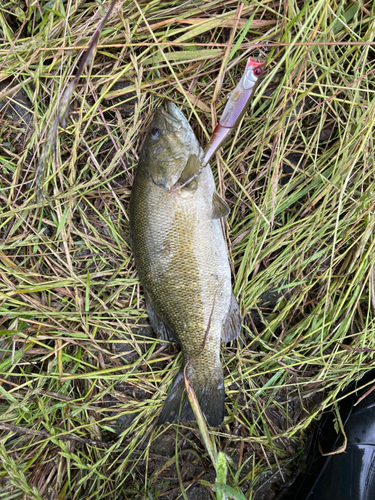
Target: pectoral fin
x=191, y=169
x=219, y=207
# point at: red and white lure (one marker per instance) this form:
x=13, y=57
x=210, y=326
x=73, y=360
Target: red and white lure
x=235, y=108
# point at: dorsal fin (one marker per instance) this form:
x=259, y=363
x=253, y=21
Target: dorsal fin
x=219, y=207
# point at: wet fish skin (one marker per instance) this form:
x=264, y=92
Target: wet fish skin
x=182, y=261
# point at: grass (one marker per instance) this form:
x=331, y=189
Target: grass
x=76, y=352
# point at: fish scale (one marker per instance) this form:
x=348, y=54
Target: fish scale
x=182, y=261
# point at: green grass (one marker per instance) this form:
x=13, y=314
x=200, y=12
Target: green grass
x=75, y=349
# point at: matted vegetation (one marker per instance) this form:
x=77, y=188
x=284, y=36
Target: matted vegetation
x=82, y=378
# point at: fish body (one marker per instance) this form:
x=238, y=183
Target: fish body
x=182, y=261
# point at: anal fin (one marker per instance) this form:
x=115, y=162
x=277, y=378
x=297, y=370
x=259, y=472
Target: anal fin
x=232, y=324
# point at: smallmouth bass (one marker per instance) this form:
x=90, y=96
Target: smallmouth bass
x=182, y=261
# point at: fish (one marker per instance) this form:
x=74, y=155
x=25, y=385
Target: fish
x=182, y=261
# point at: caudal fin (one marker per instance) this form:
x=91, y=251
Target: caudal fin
x=210, y=397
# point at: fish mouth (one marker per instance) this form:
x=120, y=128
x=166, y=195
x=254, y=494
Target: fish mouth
x=172, y=124
x=175, y=120
x=172, y=110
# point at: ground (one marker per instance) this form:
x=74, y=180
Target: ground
x=82, y=376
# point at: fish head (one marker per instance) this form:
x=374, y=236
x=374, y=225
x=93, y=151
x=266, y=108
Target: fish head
x=169, y=142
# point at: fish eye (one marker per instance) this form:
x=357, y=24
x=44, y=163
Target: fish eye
x=257, y=71
x=155, y=132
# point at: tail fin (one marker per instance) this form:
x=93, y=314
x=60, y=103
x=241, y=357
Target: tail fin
x=210, y=397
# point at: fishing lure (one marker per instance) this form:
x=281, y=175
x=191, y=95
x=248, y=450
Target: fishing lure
x=235, y=108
